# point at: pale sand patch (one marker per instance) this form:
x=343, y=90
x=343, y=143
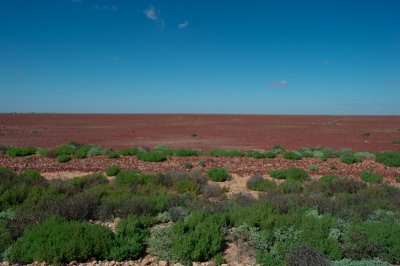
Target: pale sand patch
x=63, y=175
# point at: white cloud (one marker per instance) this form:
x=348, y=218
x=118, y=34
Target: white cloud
x=326, y=62
x=115, y=58
x=113, y=8
x=278, y=84
x=151, y=13
x=183, y=24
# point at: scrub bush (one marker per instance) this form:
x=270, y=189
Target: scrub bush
x=258, y=183
x=218, y=174
x=370, y=177
x=226, y=153
x=389, y=158
x=291, y=173
x=152, y=156
x=23, y=151
x=113, y=170
x=63, y=158
x=292, y=155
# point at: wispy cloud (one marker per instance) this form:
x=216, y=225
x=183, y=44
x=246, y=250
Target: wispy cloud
x=153, y=14
x=113, y=8
x=76, y=1
x=326, y=62
x=278, y=84
x=115, y=58
x=183, y=24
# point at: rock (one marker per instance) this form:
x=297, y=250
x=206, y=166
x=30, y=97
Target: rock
x=145, y=261
x=211, y=263
x=73, y=263
x=163, y=263
x=111, y=263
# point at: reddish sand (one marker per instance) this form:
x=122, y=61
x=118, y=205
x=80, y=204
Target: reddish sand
x=243, y=132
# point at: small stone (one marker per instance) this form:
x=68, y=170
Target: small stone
x=73, y=263
x=163, y=263
x=224, y=264
x=145, y=261
x=111, y=263
x=211, y=263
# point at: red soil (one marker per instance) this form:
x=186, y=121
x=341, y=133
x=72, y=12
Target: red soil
x=243, y=132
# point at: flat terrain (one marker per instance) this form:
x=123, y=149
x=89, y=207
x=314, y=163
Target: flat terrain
x=245, y=132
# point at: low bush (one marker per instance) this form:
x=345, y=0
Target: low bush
x=152, y=156
x=32, y=175
x=187, y=184
x=333, y=167
x=258, y=183
x=198, y=238
x=343, y=185
x=226, y=153
x=22, y=151
x=313, y=167
x=188, y=165
x=218, y=174
x=363, y=155
x=63, y=158
x=370, y=177
x=397, y=141
x=183, y=153
x=129, y=151
x=202, y=163
x=113, y=170
x=397, y=179
x=389, y=158
x=350, y=262
x=88, y=181
x=259, y=155
x=291, y=173
x=59, y=241
x=114, y=155
x=160, y=243
x=292, y=155
x=130, y=239
x=326, y=179
x=349, y=159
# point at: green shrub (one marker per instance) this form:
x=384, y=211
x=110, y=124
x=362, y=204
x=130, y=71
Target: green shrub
x=397, y=141
x=313, y=167
x=370, y=177
x=63, y=158
x=56, y=241
x=259, y=155
x=66, y=149
x=186, y=184
x=302, y=255
x=31, y=175
x=129, y=151
x=350, y=262
x=292, y=155
x=188, y=165
x=333, y=167
x=130, y=239
x=371, y=239
x=114, y=155
x=291, y=173
x=226, y=153
x=160, y=243
x=202, y=163
x=328, y=178
x=389, y=158
x=218, y=174
x=113, y=170
x=364, y=154
x=198, y=238
x=23, y=151
x=397, y=179
x=366, y=134
x=130, y=177
x=151, y=156
x=186, y=153
x=258, y=183
x=290, y=186
x=349, y=159
x=6, y=238
x=346, y=185
x=88, y=181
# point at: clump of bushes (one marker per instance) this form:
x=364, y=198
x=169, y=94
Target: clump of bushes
x=389, y=158
x=259, y=155
x=226, y=153
x=313, y=167
x=303, y=255
x=152, y=156
x=349, y=159
x=292, y=155
x=20, y=151
x=184, y=153
x=218, y=174
x=259, y=183
x=293, y=173
x=129, y=152
x=113, y=170
x=114, y=155
x=63, y=158
x=370, y=177
x=59, y=241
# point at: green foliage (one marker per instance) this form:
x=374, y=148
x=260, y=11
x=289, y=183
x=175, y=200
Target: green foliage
x=259, y=155
x=349, y=159
x=56, y=241
x=63, y=158
x=258, y=183
x=313, y=167
x=366, y=134
x=333, y=167
x=31, y=175
x=389, y=158
x=188, y=165
x=113, y=170
x=66, y=149
x=368, y=240
x=130, y=239
x=186, y=153
x=129, y=152
x=22, y=151
x=89, y=150
x=364, y=154
x=130, y=177
x=291, y=173
x=292, y=155
x=397, y=179
x=397, y=141
x=326, y=179
x=187, y=184
x=6, y=238
x=152, y=156
x=218, y=174
x=198, y=238
x=370, y=177
x=202, y=163
x=114, y=155
x=88, y=181
x=350, y=262
x=160, y=243
x=226, y=153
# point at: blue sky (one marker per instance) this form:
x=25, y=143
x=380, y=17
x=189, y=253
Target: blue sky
x=200, y=56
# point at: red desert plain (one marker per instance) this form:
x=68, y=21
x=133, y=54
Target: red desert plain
x=244, y=132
